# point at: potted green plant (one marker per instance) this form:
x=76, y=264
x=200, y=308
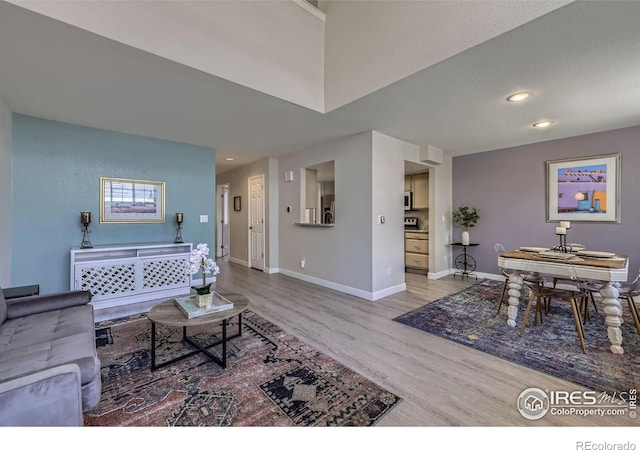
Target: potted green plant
x=466, y=217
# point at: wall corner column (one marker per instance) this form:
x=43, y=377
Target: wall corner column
x=6, y=125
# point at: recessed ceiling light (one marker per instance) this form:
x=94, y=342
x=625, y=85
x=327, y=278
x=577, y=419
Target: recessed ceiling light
x=228, y=158
x=542, y=124
x=518, y=97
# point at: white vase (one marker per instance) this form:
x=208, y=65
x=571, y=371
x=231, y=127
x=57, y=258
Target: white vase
x=465, y=238
x=204, y=300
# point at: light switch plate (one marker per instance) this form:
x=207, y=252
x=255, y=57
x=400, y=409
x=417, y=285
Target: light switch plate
x=204, y=218
x=288, y=175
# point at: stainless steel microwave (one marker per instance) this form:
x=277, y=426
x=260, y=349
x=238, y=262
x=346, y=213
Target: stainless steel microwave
x=408, y=200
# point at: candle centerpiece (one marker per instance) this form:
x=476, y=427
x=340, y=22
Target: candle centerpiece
x=561, y=231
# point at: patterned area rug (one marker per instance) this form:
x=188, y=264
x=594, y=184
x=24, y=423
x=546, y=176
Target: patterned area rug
x=271, y=379
x=468, y=317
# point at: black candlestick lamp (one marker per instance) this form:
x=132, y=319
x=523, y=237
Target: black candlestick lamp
x=179, y=220
x=85, y=220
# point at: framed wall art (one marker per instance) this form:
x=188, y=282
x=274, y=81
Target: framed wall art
x=584, y=189
x=128, y=201
x=237, y=205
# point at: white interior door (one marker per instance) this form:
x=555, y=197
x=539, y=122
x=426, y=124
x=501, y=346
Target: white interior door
x=256, y=222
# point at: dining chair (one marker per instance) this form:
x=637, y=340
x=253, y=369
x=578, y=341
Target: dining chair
x=584, y=292
x=590, y=290
x=629, y=291
x=530, y=276
x=499, y=248
x=540, y=292
x=625, y=291
x=634, y=309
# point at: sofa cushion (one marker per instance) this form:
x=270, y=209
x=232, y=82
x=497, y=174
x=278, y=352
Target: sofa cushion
x=49, y=339
x=3, y=308
x=46, y=327
x=78, y=349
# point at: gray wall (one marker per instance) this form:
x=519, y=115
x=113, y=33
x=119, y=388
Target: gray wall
x=440, y=198
x=508, y=186
x=387, y=199
x=342, y=254
x=5, y=194
x=358, y=255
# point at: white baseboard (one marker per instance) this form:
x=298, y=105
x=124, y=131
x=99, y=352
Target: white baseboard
x=490, y=276
x=441, y=274
x=479, y=275
x=242, y=262
x=346, y=289
x=377, y=295
x=245, y=263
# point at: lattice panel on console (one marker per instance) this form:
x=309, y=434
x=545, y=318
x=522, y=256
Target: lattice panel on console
x=108, y=280
x=164, y=273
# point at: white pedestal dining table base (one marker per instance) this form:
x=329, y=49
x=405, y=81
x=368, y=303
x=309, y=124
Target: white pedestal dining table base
x=608, y=271
x=612, y=309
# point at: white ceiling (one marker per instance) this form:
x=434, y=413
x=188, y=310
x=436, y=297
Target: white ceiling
x=581, y=61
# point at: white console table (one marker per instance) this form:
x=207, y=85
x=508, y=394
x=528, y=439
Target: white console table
x=124, y=274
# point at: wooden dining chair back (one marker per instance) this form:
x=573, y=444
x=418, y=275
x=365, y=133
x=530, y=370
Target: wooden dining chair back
x=585, y=290
x=540, y=291
x=628, y=291
x=499, y=248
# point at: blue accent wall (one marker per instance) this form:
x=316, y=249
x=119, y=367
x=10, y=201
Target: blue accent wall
x=56, y=170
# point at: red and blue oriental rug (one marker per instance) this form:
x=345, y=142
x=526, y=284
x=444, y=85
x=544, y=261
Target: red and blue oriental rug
x=272, y=379
x=468, y=318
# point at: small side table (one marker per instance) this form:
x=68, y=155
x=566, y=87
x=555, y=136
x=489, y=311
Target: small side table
x=465, y=262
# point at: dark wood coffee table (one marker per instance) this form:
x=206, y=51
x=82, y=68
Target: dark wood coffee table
x=168, y=314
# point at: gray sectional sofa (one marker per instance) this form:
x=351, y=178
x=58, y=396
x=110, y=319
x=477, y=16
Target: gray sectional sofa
x=49, y=369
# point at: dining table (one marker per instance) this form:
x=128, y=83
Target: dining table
x=610, y=269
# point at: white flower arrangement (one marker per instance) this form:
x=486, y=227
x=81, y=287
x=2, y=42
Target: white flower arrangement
x=199, y=261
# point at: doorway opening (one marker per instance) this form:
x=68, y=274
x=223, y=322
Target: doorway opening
x=222, y=225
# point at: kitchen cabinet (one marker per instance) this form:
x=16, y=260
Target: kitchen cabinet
x=416, y=250
x=419, y=185
x=421, y=191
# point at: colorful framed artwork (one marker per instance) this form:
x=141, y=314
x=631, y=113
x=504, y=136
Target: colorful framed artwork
x=129, y=201
x=584, y=189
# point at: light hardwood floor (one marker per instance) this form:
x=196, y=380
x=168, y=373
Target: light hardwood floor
x=441, y=383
